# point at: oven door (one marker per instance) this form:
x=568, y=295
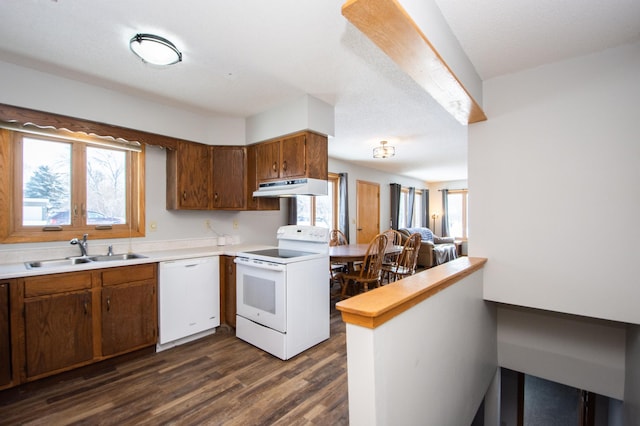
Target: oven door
x=261, y=292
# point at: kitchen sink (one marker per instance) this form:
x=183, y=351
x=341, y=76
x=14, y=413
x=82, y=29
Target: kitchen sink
x=70, y=261
x=57, y=262
x=124, y=256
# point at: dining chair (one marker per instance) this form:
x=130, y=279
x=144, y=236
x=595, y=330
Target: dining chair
x=336, y=269
x=370, y=273
x=394, y=238
x=337, y=238
x=407, y=260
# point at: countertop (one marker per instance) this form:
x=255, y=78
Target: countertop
x=17, y=270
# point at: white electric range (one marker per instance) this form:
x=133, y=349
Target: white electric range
x=283, y=292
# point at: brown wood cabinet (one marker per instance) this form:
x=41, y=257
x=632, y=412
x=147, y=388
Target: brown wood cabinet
x=257, y=203
x=58, y=323
x=189, y=176
x=229, y=177
x=228, y=291
x=77, y=318
x=5, y=336
x=294, y=156
x=203, y=177
x=129, y=309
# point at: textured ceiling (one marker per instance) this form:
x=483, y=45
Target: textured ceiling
x=246, y=56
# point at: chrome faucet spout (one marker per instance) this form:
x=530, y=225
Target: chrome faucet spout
x=83, y=244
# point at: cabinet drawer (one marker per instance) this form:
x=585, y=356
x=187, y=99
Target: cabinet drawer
x=56, y=283
x=128, y=274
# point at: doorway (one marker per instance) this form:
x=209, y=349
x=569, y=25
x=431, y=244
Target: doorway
x=367, y=211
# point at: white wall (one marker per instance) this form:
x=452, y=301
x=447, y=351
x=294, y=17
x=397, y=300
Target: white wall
x=376, y=176
x=430, y=365
x=553, y=177
x=632, y=380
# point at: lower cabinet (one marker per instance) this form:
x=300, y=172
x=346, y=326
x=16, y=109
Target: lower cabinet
x=228, y=290
x=5, y=336
x=58, y=333
x=58, y=322
x=127, y=320
x=129, y=309
x=64, y=327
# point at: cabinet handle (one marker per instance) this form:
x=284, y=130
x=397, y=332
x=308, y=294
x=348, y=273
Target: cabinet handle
x=215, y=197
x=86, y=307
x=108, y=304
x=275, y=166
x=284, y=165
x=184, y=195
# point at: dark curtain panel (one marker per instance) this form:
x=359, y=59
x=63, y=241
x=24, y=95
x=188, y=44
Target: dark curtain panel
x=395, y=192
x=425, y=208
x=292, y=216
x=445, y=213
x=410, y=202
x=343, y=206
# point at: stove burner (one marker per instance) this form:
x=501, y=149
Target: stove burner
x=280, y=253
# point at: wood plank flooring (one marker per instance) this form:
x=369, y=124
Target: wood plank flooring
x=218, y=380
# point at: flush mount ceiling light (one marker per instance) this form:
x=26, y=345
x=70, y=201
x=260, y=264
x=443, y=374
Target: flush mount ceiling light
x=154, y=49
x=384, y=150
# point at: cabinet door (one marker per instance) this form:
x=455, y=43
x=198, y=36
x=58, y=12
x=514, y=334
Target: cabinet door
x=268, y=160
x=189, y=176
x=5, y=336
x=257, y=203
x=228, y=290
x=229, y=177
x=293, y=157
x=129, y=317
x=58, y=332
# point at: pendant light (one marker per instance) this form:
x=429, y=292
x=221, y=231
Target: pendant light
x=384, y=150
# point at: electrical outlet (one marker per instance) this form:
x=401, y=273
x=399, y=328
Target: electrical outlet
x=153, y=226
x=235, y=223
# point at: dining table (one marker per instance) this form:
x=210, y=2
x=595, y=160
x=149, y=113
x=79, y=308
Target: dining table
x=352, y=253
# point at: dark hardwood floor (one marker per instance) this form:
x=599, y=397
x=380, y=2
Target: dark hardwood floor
x=218, y=380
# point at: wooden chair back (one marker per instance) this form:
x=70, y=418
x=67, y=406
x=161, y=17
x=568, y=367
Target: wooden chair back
x=372, y=262
x=337, y=238
x=370, y=272
x=409, y=256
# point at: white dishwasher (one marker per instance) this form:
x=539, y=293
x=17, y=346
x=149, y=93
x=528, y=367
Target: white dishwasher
x=188, y=300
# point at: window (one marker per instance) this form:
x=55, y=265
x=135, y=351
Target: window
x=320, y=210
x=457, y=214
x=416, y=213
x=61, y=188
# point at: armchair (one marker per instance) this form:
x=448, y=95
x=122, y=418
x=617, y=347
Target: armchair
x=434, y=250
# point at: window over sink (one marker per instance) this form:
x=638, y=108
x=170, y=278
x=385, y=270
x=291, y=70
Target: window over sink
x=60, y=188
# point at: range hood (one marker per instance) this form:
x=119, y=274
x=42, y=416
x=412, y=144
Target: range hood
x=292, y=187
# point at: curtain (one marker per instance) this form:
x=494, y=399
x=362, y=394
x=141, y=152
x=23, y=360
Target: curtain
x=395, y=192
x=292, y=214
x=343, y=206
x=425, y=209
x=410, y=202
x=445, y=212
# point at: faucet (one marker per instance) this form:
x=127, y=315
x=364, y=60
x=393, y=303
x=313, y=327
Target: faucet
x=83, y=244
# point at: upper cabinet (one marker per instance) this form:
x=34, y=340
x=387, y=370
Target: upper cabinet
x=229, y=177
x=294, y=156
x=204, y=177
x=189, y=176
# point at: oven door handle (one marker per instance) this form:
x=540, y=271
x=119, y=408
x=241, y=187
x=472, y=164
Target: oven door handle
x=258, y=264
